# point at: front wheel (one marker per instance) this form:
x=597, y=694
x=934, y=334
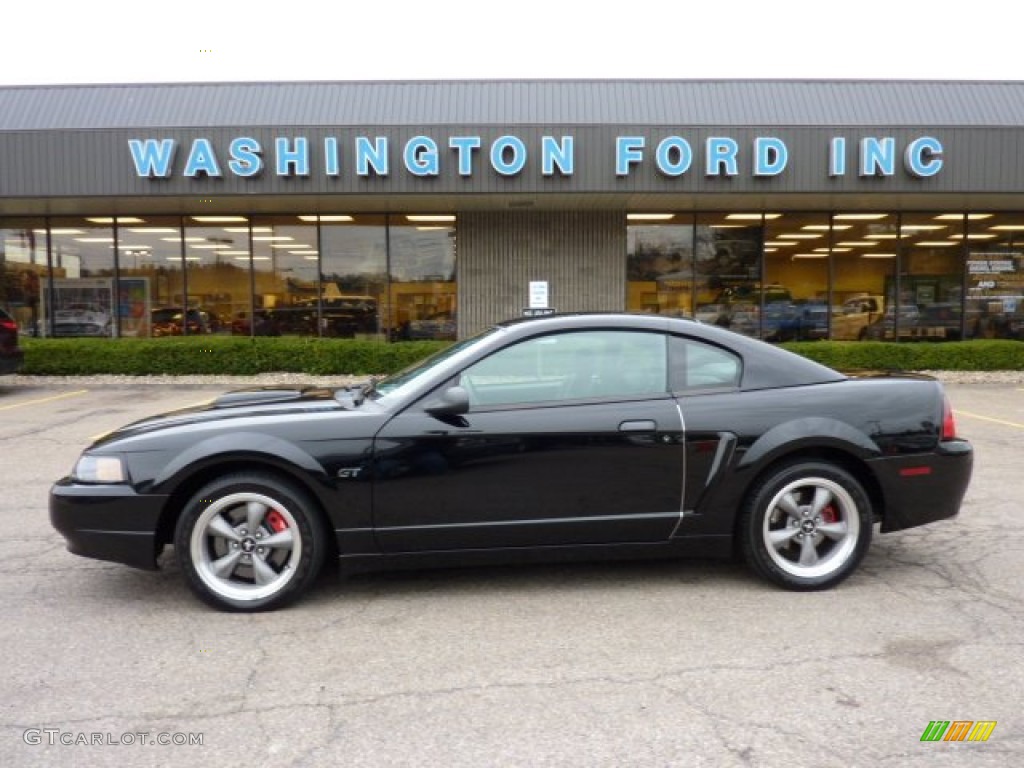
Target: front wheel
x=806, y=526
x=249, y=542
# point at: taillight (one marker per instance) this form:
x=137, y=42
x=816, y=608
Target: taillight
x=8, y=325
x=948, y=422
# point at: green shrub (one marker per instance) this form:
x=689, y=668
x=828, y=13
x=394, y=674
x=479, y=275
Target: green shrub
x=980, y=355
x=241, y=356
x=220, y=355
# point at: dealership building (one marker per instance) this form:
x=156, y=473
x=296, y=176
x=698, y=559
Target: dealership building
x=405, y=210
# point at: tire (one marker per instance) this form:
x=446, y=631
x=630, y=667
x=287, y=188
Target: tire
x=221, y=542
x=806, y=526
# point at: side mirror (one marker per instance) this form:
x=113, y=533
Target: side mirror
x=452, y=402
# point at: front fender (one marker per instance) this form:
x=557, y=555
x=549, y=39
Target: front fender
x=812, y=431
x=237, y=445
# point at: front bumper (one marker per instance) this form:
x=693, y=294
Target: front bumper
x=922, y=489
x=107, y=522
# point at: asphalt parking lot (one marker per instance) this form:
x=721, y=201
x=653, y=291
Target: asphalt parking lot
x=646, y=664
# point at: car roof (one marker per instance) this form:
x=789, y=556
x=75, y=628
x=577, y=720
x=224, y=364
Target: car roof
x=764, y=366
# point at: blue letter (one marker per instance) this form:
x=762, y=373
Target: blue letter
x=878, y=156
x=628, y=150
x=245, y=157
x=292, y=161
x=552, y=153
x=375, y=154
x=515, y=165
x=721, y=153
x=837, y=157
x=465, y=145
x=683, y=154
x=332, y=166
x=202, y=159
x=923, y=157
x=770, y=156
x=421, y=156
x=153, y=158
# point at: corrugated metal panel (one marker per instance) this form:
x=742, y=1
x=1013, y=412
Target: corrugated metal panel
x=582, y=256
x=573, y=102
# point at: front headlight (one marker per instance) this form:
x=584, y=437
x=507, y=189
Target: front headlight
x=99, y=469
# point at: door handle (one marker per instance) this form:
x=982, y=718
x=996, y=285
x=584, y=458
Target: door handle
x=641, y=425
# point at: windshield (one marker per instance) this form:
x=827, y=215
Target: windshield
x=397, y=382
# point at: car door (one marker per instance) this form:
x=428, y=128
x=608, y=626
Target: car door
x=571, y=438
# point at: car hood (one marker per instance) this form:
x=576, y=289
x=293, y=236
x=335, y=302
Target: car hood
x=240, y=404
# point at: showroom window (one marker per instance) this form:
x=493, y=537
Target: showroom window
x=864, y=246
x=285, y=260
x=421, y=270
x=81, y=302
x=796, y=268
x=727, y=268
x=931, y=276
x=354, y=268
x=151, y=281
x=23, y=272
x=995, y=276
x=659, y=263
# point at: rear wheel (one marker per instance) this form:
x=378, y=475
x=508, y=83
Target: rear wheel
x=249, y=542
x=806, y=526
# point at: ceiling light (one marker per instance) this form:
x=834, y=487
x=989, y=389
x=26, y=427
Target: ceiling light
x=972, y=236
x=219, y=219
x=95, y=239
x=859, y=216
x=331, y=217
x=857, y=243
x=152, y=230
x=752, y=216
x=809, y=255
x=183, y=239
x=305, y=253
x=268, y=238
x=921, y=227
x=210, y=247
x=935, y=244
x=235, y=253
x=800, y=236
x=1008, y=228
x=827, y=227
x=878, y=255
x=638, y=217
x=779, y=243
x=119, y=220
x=959, y=216
x=60, y=231
x=430, y=217
x=286, y=245
x=890, y=236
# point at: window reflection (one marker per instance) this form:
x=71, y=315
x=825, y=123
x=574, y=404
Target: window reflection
x=354, y=275
x=285, y=260
x=149, y=251
x=659, y=267
x=422, y=271
x=728, y=272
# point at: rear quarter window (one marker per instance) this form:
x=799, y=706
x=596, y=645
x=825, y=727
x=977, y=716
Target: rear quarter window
x=695, y=366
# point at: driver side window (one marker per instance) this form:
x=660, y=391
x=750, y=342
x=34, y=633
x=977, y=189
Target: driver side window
x=570, y=366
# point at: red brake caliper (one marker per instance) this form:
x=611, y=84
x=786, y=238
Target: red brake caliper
x=276, y=521
x=828, y=514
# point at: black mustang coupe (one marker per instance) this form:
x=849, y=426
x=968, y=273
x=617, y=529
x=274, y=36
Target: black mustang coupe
x=572, y=436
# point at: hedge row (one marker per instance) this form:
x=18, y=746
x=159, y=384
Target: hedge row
x=981, y=355
x=227, y=355
x=219, y=355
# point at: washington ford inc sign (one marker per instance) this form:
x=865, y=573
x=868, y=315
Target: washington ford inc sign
x=297, y=156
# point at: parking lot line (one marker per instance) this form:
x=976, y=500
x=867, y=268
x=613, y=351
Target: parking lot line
x=1005, y=423
x=43, y=399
